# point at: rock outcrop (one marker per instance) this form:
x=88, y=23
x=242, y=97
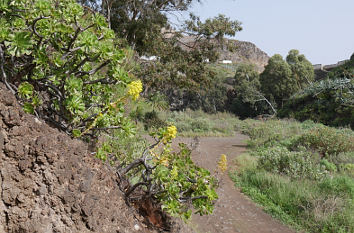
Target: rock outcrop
x=245, y=52
x=51, y=183
x=238, y=52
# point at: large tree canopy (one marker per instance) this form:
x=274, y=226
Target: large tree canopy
x=281, y=79
x=180, y=69
x=276, y=80
x=302, y=69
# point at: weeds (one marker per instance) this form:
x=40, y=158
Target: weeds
x=302, y=173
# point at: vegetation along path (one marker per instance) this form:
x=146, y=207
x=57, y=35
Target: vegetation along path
x=234, y=212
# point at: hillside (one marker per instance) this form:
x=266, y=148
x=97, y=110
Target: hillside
x=245, y=52
x=240, y=52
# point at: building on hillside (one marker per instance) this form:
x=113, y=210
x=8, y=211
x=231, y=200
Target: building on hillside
x=226, y=62
x=150, y=58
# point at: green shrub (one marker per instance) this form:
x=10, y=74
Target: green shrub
x=270, y=132
x=327, y=141
x=155, y=170
x=331, y=167
x=297, y=165
x=64, y=64
x=328, y=101
x=200, y=125
x=245, y=162
x=152, y=120
x=292, y=181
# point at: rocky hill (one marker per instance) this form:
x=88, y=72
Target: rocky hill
x=245, y=52
x=239, y=52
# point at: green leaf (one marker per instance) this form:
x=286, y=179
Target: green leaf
x=28, y=108
x=76, y=133
x=25, y=90
x=21, y=44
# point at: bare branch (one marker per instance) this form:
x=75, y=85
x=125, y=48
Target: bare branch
x=131, y=189
x=34, y=28
x=3, y=73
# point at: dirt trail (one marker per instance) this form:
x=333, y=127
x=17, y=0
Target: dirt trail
x=234, y=212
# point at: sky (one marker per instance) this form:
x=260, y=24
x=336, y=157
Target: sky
x=322, y=30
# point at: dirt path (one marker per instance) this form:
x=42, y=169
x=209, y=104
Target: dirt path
x=234, y=212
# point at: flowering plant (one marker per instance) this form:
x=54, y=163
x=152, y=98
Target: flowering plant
x=134, y=89
x=169, y=176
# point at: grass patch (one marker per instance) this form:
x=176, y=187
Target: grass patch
x=198, y=123
x=301, y=173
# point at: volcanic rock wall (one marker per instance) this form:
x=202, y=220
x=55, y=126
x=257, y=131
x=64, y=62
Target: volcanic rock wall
x=50, y=182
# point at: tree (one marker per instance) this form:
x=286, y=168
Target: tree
x=247, y=100
x=277, y=82
x=329, y=101
x=302, y=69
x=246, y=73
x=181, y=51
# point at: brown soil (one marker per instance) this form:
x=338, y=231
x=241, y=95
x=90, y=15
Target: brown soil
x=234, y=212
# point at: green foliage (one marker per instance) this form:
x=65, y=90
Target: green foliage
x=180, y=177
x=345, y=71
x=328, y=165
x=300, y=172
x=281, y=79
x=158, y=101
x=302, y=69
x=25, y=90
x=198, y=123
x=65, y=65
x=155, y=170
x=247, y=99
x=152, y=120
x=180, y=72
x=216, y=27
x=293, y=164
x=329, y=101
x=323, y=206
x=56, y=53
x=276, y=80
x=327, y=141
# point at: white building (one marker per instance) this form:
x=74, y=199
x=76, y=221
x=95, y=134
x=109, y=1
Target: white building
x=151, y=58
x=226, y=62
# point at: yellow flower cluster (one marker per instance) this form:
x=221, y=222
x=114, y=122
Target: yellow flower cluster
x=164, y=161
x=170, y=133
x=134, y=89
x=222, y=164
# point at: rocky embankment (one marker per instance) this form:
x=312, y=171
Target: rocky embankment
x=50, y=182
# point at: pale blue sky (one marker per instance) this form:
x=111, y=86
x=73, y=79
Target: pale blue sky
x=323, y=30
